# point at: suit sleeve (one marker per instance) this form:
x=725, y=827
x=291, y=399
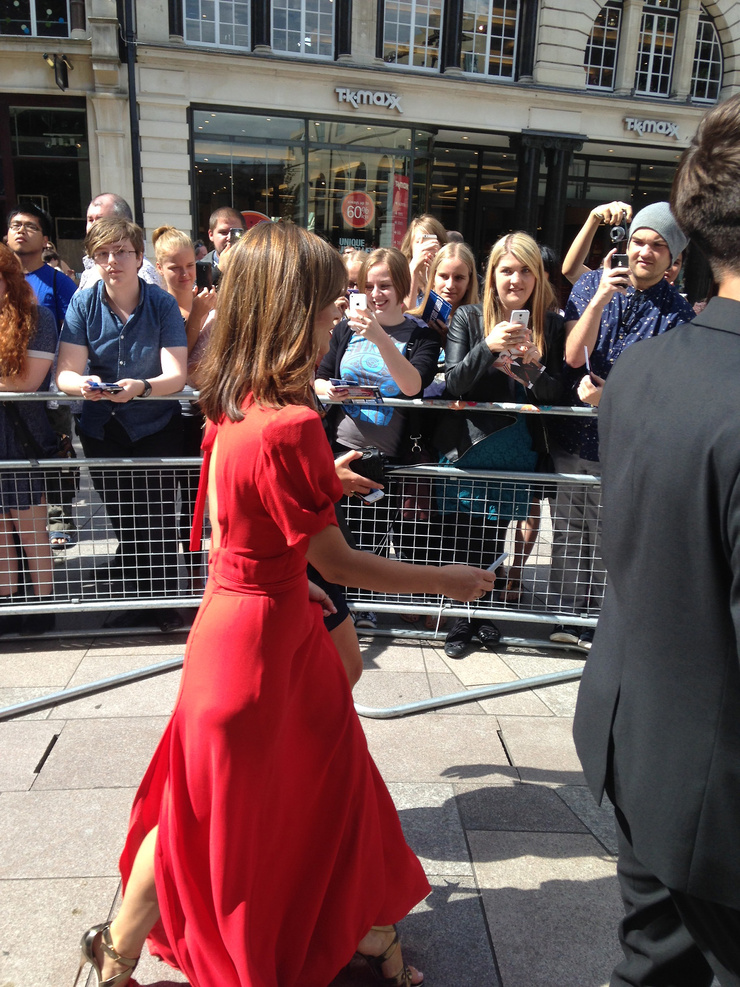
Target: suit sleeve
x=733, y=534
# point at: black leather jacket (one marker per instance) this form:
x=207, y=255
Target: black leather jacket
x=471, y=376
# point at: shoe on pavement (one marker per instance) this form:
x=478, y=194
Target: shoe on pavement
x=586, y=639
x=565, y=635
x=366, y=618
x=458, y=638
x=488, y=634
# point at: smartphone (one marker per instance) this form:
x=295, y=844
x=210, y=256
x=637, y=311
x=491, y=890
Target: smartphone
x=110, y=388
x=620, y=260
x=520, y=315
x=358, y=300
x=589, y=371
x=428, y=236
x=372, y=496
x=235, y=233
x=203, y=274
x=499, y=561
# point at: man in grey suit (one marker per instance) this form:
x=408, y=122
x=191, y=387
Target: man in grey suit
x=658, y=719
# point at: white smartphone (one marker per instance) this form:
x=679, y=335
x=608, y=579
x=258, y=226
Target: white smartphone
x=357, y=301
x=372, y=496
x=499, y=561
x=520, y=315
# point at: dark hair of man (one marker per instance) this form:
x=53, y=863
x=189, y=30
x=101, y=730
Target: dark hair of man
x=31, y=209
x=705, y=197
x=279, y=278
x=121, y=208
x=226, y=212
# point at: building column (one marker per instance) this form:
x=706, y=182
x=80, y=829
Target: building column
x=77, y=19
x=529, y=156
x=629, y=43
x=364, y=32
x=379, y=27
x=559, y=154
x=683, y=59
x=452, y=18
x=176, y=22
x=261, y=27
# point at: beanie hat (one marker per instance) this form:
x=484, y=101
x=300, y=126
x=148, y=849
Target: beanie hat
x=659, y=218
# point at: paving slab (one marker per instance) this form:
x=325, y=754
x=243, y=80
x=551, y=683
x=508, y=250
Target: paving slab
x=38, y=665
x=479, y=668
x=161, y=646
x=107, y=754
x=381, y=690
x=434, y=747
x=63, y=834
x=447, y=684
x=542, y=749
x=598, y=819
x=552, y=905
x=20, y=694
x=153, y=696
x=524, y=703
x=41, y=923
x=432, y=826
x=516, y=806
x=384, y=654
x=22, y=747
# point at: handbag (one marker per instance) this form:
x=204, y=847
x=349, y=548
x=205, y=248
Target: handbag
x=61, y=485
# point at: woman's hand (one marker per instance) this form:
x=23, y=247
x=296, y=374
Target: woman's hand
x=466, y=583
x=131, y=389
x=325, y=389
x=508, y=336
x=317, y=595
x=204, y=300
x=93, y=393
x=364, y=323
x=590, y=389
x=353, y=483
x=531, y=354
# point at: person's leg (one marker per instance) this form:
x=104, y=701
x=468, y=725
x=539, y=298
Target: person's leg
x=138, y=913
x=570, y=570
x=525, y=535
x=30, y=525
x=658, y=948
x=8, y=557
x=382, y=946
x=716, y=930
x=344, y=637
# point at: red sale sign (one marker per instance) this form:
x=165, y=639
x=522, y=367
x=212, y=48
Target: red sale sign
x=252, y=217
x=400, y=209
x=358, y=209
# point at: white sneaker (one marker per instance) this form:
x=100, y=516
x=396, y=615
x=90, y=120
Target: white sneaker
x=365, y=618
x=565, y=635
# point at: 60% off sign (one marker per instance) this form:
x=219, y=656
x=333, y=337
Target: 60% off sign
x=358, y=209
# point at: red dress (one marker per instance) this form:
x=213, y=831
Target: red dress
x=279, y=845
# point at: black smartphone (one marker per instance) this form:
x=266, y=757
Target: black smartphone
x=235, y=233
x=203, y=274
x=620, y=260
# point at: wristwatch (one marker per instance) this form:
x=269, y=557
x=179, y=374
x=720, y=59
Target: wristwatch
x=147, y=388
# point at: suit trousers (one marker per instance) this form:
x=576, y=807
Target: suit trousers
x=669, y=938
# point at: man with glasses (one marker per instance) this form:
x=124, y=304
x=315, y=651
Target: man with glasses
x=29, y=229
x=108, y=205
x=608, y=311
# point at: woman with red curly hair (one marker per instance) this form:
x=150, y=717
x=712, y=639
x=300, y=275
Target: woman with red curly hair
x=27, y=344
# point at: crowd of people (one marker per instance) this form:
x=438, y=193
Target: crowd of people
x=264, y=765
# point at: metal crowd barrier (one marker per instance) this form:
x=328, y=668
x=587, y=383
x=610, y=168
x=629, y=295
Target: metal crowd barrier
x=132, y=520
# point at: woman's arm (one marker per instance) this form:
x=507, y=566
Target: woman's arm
x=32, y=377
x=338, y=563
x=403, y=372
x=174, y=361
x=71, y=369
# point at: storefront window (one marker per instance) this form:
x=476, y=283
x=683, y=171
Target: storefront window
x=349, y=182
x=35, y=18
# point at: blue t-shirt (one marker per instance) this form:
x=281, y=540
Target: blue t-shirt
x=132, y=349
x=53, y=289
x=626, y=319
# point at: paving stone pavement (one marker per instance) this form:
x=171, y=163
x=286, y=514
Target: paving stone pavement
x=490, y=794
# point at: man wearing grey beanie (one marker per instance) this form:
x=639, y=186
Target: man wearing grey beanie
x=608, y=311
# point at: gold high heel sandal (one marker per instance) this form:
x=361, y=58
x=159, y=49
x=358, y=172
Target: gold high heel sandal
x=400, y=979
x=87, y=955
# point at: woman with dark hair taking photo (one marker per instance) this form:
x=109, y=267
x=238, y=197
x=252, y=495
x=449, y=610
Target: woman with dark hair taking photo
x=264, y=848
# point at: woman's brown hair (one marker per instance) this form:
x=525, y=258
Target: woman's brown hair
x=279, y=278
x=527, y=252
x=426, y=224
x=18, y=315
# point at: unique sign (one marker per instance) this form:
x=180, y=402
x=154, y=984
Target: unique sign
x=663, y=127
x=358, y=209
x=368, y=97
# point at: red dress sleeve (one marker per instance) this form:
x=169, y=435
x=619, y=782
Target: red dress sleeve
x=297, y=481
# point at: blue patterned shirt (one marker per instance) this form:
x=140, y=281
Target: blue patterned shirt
x=626, y=319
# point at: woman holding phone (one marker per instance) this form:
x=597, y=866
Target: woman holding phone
x=264, y=848
x=491, y=350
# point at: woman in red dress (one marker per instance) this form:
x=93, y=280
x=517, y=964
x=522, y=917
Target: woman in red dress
x=264, y=849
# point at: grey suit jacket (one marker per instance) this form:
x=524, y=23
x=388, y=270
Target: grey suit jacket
x=659, y=706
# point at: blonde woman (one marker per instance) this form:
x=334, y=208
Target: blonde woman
x=453, y=277
x=477, y=513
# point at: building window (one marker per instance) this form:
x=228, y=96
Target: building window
x=657, y=45
x=489, y=36
x=217, y=22
x=35, y=18
x=303, y=27
x=706, y=78
x=411, y=33
x=602, y=48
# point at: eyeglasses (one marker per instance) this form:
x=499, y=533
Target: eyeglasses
x=103, y=256
x=28, y=227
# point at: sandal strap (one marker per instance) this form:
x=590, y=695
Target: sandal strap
x=107, y=946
